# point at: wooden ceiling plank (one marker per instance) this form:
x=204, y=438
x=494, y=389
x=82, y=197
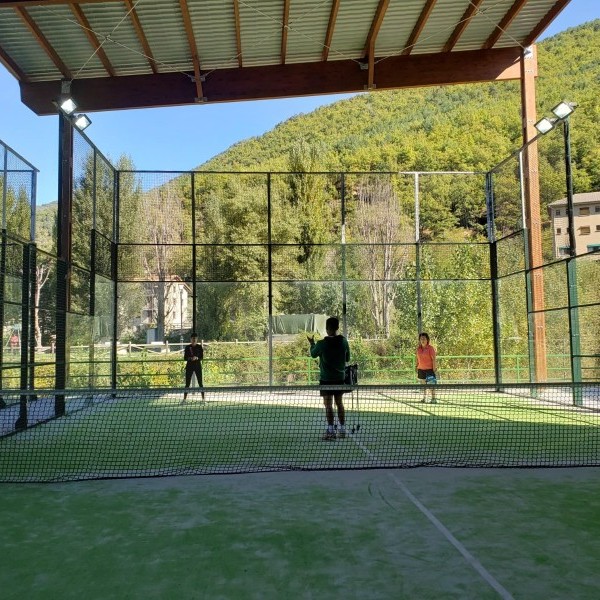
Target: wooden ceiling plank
x=508, y=18
x=238, y=32
x=189, y=30
x=375, y=26
x=419, y=26
x=43, y=42
x=335, y=6
x=284, y=30
x=462, y=25
x=280, y=81
x=550, y=16
x=12, y=66
x=29, y=3
x=139, y=30
x=91, y=36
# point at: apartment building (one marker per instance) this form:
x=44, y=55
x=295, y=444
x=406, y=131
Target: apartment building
x=586, y=217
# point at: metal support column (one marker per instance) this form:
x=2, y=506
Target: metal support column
x=64, y=239
x=574, y=332
x=270, y=278
x=493, y=244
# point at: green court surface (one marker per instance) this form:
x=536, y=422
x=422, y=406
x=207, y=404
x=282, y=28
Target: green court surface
x=426, y=533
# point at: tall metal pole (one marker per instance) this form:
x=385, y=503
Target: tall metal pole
x=270, y=279
x=64, y=248
x=418, y=256
x=493, y=245
x=343, y=240
x=574, y=332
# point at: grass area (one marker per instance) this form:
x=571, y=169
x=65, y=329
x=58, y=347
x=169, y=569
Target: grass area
x=261, y=431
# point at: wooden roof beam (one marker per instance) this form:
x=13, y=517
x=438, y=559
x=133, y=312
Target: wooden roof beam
x=43, y=42
x=284, y=30
x=137, y=25
x=335, y=6
x=550, y=16
x=12, y=66
x=375, y=27
x=419, y=26
x=238, y=32
x=462, y=25
x=91, y=36
x=508, y=18
x=278, y=81
x=189, y=30
x=28, y=3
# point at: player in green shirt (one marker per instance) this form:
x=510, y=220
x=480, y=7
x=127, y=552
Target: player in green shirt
x=333, y=353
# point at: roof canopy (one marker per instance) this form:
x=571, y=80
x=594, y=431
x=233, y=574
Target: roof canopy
x=139, y=53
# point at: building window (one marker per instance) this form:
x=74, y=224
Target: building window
x=584, y=230
x=564, y=251
x=558, y=230
x=584, y=211
x=597, y=227
x=597, y=209
x=593, y=247
x=558, y=212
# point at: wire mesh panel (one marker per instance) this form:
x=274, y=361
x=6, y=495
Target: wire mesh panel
x=507, y=194
x=44, y=319
x=84, y=197
x=584, y=274
x=105, y=196
x=511, y=254
x=455, y=261
x=552, y=186
x=458, y=317
x=17, y=189
x=452, y=206
x=513, y=328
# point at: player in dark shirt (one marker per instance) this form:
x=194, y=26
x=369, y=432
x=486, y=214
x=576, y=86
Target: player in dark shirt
x=193, y=355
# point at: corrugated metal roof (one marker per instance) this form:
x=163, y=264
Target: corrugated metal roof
x=261, y=30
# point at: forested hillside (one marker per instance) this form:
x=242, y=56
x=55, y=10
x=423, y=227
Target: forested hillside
x=464, y=127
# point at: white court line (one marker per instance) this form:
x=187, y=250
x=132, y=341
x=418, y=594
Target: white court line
x=483, y=572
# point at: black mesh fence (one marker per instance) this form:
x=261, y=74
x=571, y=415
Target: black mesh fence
x=17, y=218
x=135, y=433
x=254, y=263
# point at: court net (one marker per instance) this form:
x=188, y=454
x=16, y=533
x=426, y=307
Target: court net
x=153, y=432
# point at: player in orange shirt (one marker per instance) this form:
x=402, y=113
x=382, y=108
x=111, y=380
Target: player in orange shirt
x=426, y=365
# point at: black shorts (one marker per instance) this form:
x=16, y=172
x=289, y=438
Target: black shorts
x=325, y=392
x=424, y=373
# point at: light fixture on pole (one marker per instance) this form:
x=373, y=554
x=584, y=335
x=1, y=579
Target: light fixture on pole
x=68, y=106
x=81, y=122
x=545, y=125
x=564, y=109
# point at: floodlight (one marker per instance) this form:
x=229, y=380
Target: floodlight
x=68, y=106
x=81, y=122
x=545, y=125
x=564, y=109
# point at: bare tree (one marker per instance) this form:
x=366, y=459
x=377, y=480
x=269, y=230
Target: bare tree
x=162, y=220
x=385, y=232
x=42, y=273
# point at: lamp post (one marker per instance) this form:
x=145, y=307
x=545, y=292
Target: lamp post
x=562, y=112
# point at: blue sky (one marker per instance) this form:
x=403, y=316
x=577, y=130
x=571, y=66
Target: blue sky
x=178, y=138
